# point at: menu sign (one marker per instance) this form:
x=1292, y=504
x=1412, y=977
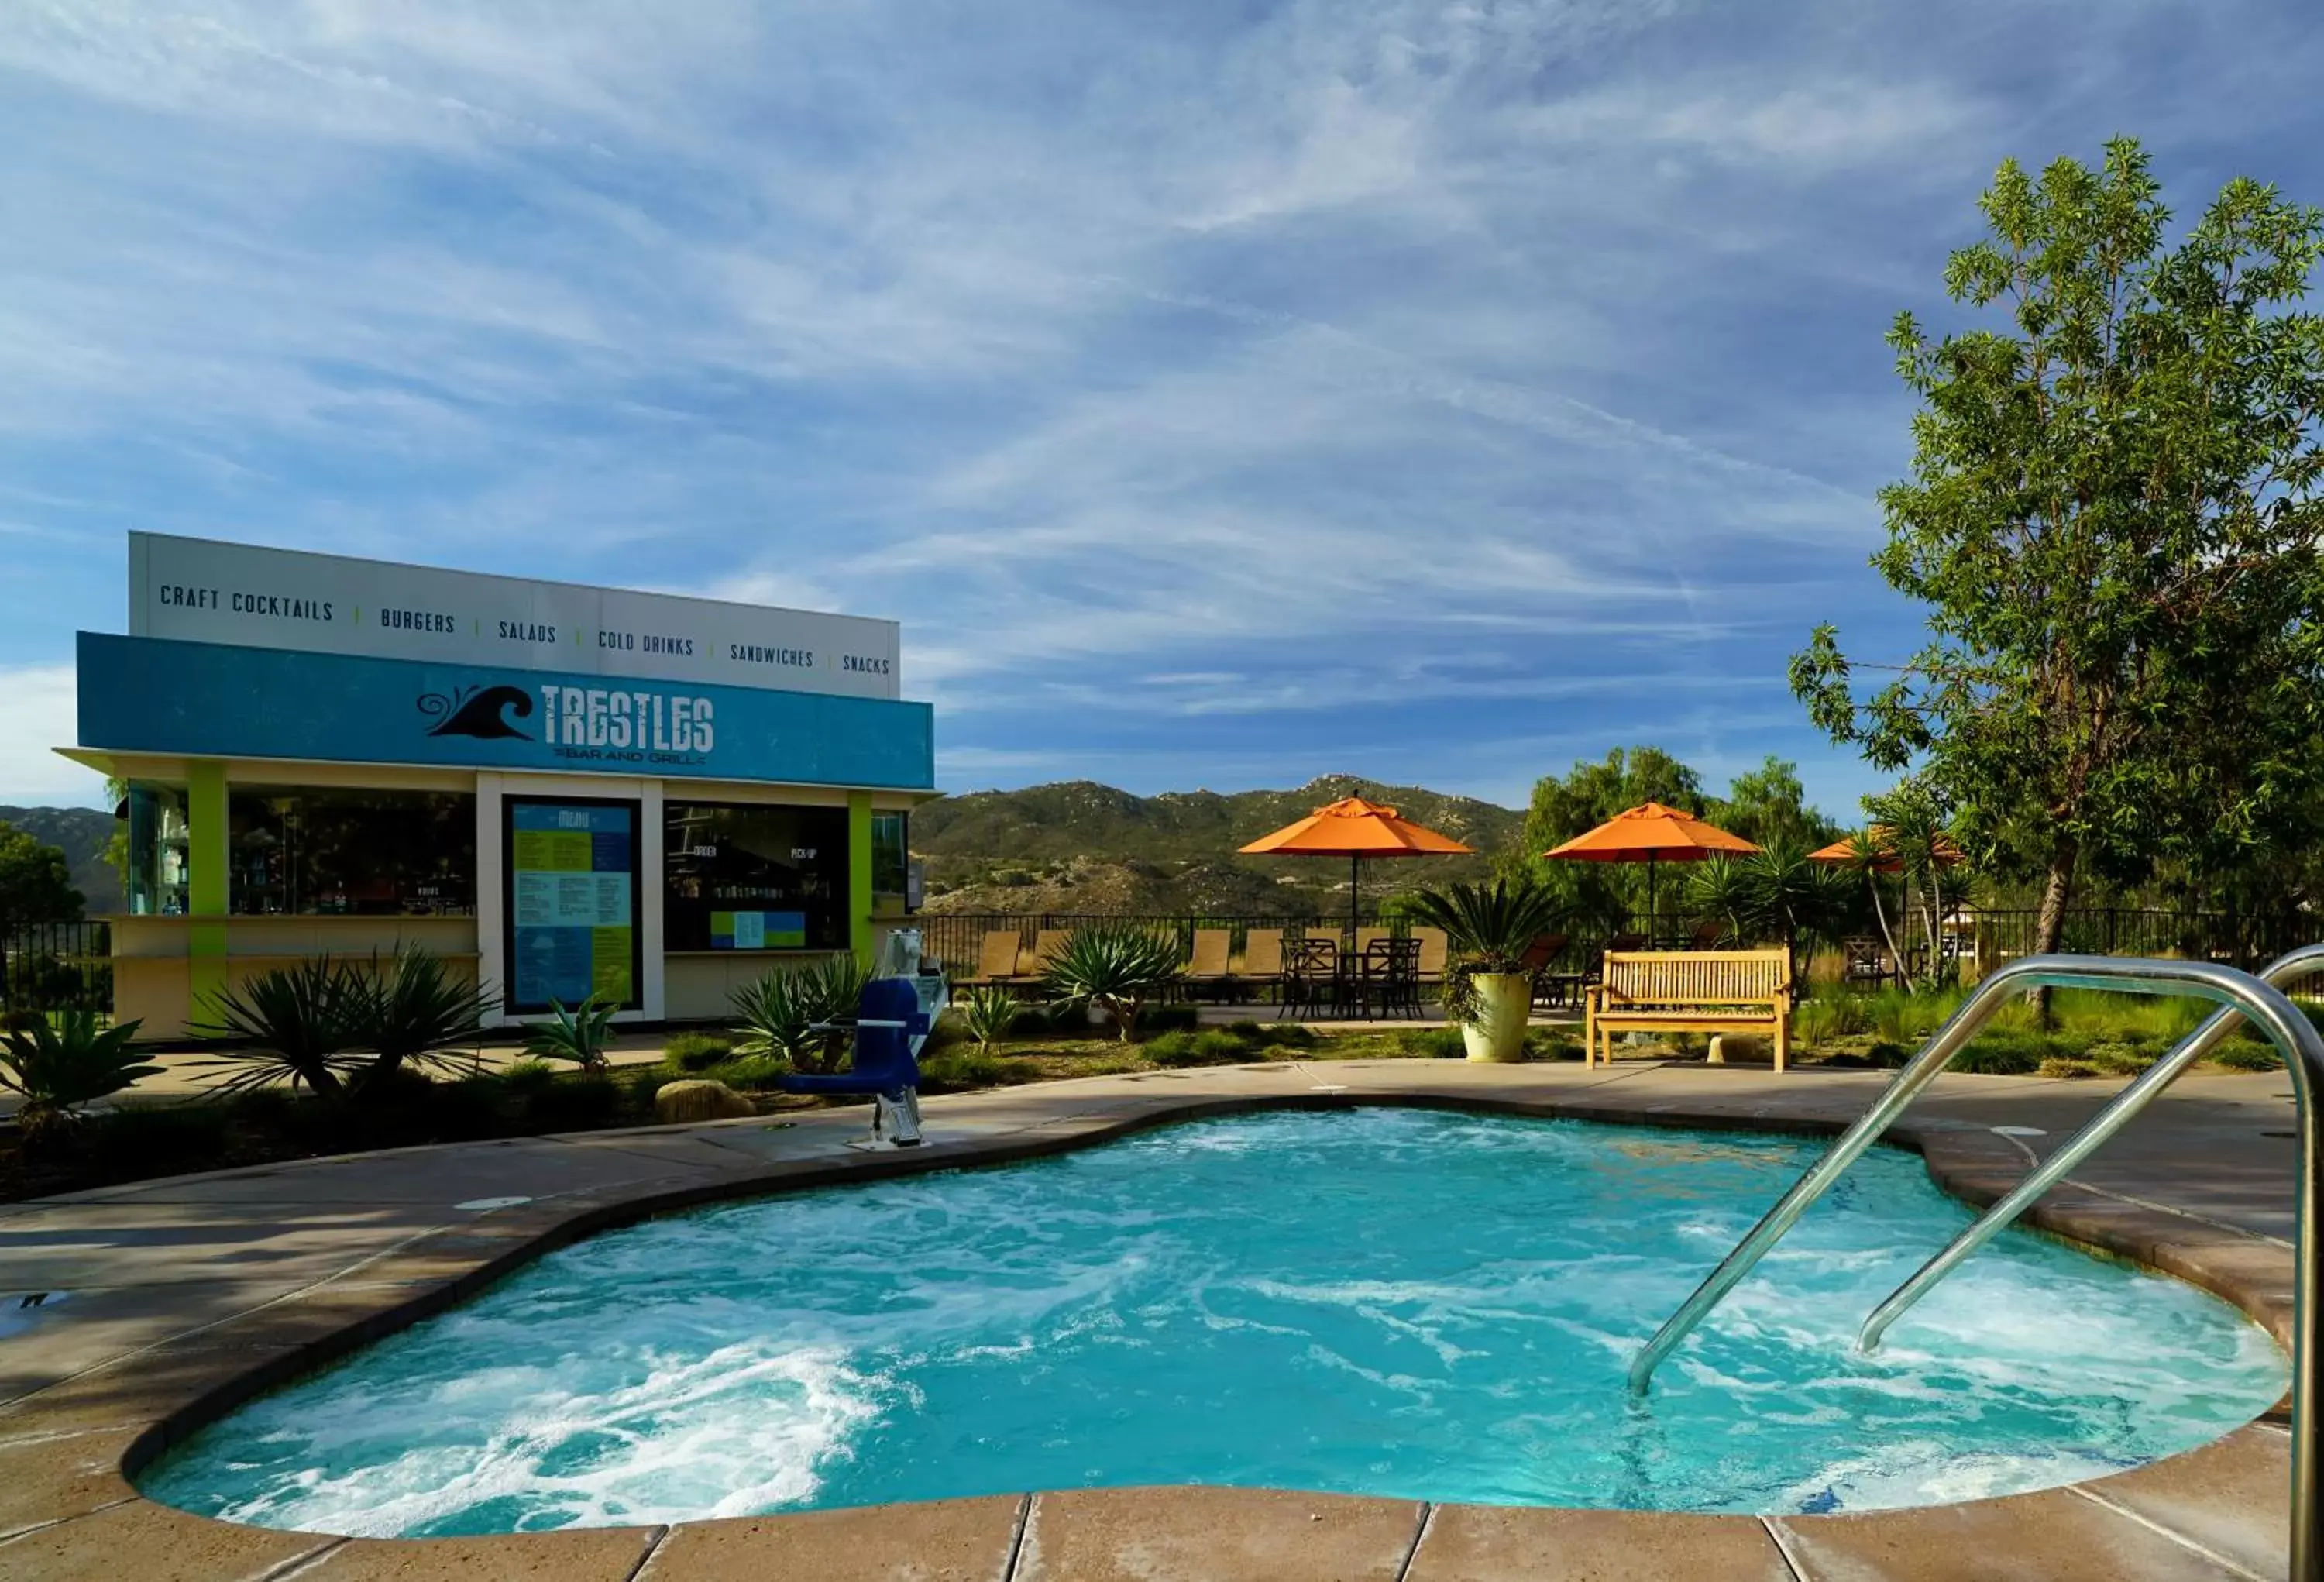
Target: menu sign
x=573, y=904
x=200, y=590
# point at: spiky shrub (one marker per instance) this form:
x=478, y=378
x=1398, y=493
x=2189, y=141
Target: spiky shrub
x=415, y=1010
x=56, y=1069
x=835, y=996
x=1118, y=969
x=294, y=1024
x=578, y=1035
x=774, y=1016
x=989, y=1012
x=1488, y=929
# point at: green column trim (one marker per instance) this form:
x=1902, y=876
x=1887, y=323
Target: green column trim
x=859, y=874
x=207, y=879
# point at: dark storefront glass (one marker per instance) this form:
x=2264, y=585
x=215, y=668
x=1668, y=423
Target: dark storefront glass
x=755, y=878
x=891, y=853
x=299, y=850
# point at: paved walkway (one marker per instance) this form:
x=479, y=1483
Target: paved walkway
x=168, y=1301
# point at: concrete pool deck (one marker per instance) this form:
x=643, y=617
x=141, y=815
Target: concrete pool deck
x=170, y=1302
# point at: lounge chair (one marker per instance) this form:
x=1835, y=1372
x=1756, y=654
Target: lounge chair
x=996, y=958
x=1433, y=948
x=1262, y=959
x=1047, y=944
x=1206, y=967
x=1364, y=937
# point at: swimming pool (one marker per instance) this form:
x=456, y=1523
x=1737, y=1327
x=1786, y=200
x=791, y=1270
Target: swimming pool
x=1401, y=1302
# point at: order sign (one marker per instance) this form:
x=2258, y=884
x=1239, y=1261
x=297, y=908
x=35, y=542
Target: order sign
x=573, y=900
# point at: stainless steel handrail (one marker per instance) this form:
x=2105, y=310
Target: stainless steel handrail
x=2282, y=972
x=2295, y=1037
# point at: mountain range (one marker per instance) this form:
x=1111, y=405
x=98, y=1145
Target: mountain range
x=1077, y=846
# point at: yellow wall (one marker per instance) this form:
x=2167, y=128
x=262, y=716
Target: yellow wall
x=152, y=970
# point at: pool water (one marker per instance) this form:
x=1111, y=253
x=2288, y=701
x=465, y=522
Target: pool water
x=1381, y=1301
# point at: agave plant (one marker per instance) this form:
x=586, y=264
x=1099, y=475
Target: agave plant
x=834, y=994
x=989, y=1012
x=415, y=1010
x=1116, y=968
x=296, y=1025
x=775, y=1016
x=577, y=1035
x=56, y=1069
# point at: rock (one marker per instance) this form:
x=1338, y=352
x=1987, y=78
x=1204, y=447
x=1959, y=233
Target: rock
x=699, y=1099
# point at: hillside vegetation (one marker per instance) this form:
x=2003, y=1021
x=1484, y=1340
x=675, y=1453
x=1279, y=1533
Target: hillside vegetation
x=1081, y=847
x=80, y=833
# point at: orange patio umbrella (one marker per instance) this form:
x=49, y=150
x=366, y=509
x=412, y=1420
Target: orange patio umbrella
x=1843, y=850
x=1355, y=830
x=1650, y=833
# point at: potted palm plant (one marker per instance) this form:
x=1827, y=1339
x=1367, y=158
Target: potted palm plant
x=1487, y=988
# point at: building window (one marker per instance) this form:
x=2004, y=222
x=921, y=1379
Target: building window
x=743, y=877
x=157, y=841
x=308, y=851
x=891, y=854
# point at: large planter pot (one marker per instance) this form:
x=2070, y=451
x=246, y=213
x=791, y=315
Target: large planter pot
x=1504, y=1006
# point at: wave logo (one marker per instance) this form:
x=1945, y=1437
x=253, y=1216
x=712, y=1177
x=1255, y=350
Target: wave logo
x=482, y=712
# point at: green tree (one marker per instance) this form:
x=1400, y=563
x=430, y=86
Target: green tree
x=2113, y=518
x=36, y=884
x=1599, y=894
x=1767, y=806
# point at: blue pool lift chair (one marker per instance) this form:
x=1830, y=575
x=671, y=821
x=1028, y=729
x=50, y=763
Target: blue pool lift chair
x=890, y=1024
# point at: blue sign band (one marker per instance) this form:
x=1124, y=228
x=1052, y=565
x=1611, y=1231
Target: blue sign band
x=212, y=700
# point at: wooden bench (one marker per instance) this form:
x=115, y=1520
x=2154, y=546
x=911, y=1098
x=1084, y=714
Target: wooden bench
x=1689, y=991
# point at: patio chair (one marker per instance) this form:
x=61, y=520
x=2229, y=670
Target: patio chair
x=1311, y=972
x=1367, y=938
x=1387, y=978
x=1550, y=987
x=1206, y=966
x=1864, y=962
x=1262, y=959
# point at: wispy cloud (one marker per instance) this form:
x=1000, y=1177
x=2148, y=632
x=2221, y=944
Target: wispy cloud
x=1414, y=387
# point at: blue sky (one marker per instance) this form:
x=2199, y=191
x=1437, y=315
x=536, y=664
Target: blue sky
x=1221, y=394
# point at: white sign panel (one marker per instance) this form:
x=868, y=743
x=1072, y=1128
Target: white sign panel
x=198, y=591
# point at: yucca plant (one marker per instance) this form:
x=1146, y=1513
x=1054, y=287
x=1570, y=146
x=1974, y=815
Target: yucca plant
x=1720, y=888
x=1118, y=968
x=296, y=1025
x=56, y=1069
x=415, y=1010
x=989, y=1012
x=1796, y=898
x=577, y=1035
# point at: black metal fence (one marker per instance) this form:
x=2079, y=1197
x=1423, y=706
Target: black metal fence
x=46, y=968
x=955, y=938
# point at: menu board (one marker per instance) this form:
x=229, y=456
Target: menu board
x=758, y=930
x=573, y=904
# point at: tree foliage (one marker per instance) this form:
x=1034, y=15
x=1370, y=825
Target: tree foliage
x=35, y=882
x=2112, y=518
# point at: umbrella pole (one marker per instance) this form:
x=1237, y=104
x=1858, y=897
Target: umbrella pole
x=1355, y=881
x=1651, y=907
